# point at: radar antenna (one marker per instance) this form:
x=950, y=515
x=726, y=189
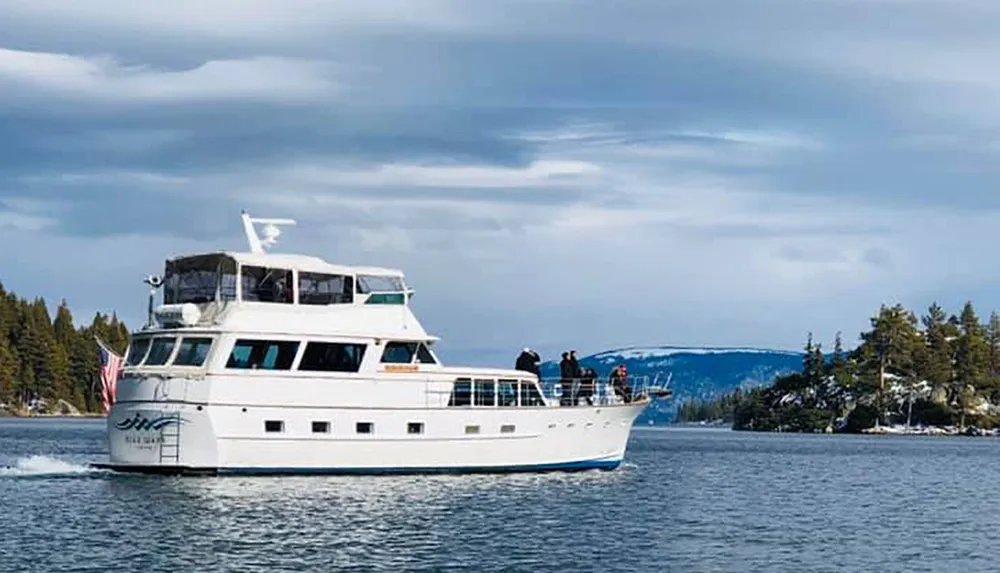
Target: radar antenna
x=271, y=231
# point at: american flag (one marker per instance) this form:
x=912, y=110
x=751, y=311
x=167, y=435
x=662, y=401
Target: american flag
x=111, y=367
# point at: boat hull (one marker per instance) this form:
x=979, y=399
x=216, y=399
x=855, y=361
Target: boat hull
x=184, y=438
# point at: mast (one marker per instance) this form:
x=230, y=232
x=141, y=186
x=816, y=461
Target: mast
x=271, y=231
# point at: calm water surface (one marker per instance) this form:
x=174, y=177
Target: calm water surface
x=686, y=500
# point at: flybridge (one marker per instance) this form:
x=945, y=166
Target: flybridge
x=192, y=283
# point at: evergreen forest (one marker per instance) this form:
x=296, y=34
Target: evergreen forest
x=51, y=365
x=932, y=370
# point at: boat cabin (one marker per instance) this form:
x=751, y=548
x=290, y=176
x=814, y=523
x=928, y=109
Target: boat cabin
x=278, y=279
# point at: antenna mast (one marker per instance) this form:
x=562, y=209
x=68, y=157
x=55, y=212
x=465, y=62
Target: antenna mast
x=271, y=231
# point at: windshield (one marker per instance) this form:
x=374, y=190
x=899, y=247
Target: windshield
x=199, y=279
x=137, y=350
x=377, y=283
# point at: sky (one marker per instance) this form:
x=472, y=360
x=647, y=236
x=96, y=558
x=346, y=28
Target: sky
x=558, y=174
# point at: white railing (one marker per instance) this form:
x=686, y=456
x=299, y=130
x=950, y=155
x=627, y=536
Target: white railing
x=584, y=392
x=555, y=391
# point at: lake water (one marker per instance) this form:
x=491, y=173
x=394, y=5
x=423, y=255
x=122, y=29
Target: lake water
x=686, y=500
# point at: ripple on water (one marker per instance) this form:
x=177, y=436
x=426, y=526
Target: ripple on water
x=684, y=501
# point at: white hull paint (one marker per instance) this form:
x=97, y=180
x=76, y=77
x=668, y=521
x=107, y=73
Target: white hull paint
x=230, y=438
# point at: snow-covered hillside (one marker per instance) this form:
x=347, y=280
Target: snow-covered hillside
x=696, y=372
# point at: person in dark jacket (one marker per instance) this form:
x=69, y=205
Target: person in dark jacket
x=619, y=382
x=576, y=374
x=566, y=380
x=528, y=361
x=524, y=361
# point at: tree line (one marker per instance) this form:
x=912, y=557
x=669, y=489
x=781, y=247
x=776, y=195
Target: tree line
x=720, y=409
x=934, y=369
x=45, y=361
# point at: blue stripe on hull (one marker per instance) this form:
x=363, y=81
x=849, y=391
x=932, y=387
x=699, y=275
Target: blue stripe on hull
x=605, y=465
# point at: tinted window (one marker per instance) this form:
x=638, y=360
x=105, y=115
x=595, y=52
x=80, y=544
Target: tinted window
x=332, y=357
x=266, y=285
x=399, y=352
x=507, y=393
x=199, y=279
x=424, y=356
x=193, y=351
x=316, y=288
x=321, y=427
x=263, y=354
x=160, y=351
x=274, y=426
x=137, y=350
x=484, y=393
x=461, y=394
x=530, y=395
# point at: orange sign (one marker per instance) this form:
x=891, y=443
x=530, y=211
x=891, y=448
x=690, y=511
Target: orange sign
x=401, y=368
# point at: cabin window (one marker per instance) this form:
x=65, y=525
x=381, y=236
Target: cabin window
x=193, y=351
x=382, y=289
x=415, y=428
x=199, y=279
x=332, y=357
x=461, y=393
x=485, y=393
x=404, y=353
x=529, y=394
x=424, y=355
x=272, y=426
x=160, y=351
x=263, y=354
x=317, y=288
x=266, y=285
x=472, y=429
x=399, y=352
x=321, y=427
x=137, y=350
x=507, y=393
x=507, y=429
x=364, y=427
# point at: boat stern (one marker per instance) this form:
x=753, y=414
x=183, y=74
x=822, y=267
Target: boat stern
x=159, y=436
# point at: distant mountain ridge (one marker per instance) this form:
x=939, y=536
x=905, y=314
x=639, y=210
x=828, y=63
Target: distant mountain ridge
x=700, y=372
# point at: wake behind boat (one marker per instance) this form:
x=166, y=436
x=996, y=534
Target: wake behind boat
x=270, y=363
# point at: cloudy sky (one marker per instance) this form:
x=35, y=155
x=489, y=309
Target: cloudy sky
x=556, y=173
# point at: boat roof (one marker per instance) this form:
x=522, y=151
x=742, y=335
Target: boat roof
x=307, y=263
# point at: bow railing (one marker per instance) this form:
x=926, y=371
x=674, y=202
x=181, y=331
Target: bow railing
x=601, y=391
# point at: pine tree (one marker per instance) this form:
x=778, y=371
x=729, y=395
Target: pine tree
x=809, y=357
x=842, y=372
x=888, y=348
x=971, y=361
x=993, y=342
x=8, y=372
x=938, y=364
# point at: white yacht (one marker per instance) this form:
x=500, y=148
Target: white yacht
x=267, y=363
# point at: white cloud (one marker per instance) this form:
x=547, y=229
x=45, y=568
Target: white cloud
x=543, y=172
x=234, y=20
x=106, y=80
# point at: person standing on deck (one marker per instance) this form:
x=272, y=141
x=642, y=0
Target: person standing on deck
x=620, y=384
x=525, y=361
x=565, y=379
x=536, y=362
x=576, y=376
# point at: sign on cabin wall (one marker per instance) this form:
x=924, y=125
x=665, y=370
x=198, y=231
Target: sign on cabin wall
x=401, y=368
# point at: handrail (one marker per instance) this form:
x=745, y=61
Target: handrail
x=600, y=391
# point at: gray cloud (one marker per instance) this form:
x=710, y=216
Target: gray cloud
x=768, y=173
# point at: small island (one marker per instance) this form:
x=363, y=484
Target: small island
x=50, y=367
x=933, y=374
